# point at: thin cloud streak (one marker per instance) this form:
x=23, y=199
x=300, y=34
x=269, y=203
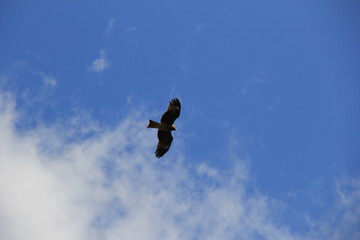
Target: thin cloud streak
x=109, y=186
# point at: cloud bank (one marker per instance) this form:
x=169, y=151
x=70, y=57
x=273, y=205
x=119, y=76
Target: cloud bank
x=107, y=185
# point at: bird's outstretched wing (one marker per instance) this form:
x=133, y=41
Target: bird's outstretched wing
x=172, y=113
x=164, y=143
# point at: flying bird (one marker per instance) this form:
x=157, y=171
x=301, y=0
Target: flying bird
x=165, y=127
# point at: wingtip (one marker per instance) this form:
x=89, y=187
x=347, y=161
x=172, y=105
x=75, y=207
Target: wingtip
x=175, y=101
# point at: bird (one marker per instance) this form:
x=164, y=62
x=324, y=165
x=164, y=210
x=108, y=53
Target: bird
x=165, y=127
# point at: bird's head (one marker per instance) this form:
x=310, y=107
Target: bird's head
x=173, y=127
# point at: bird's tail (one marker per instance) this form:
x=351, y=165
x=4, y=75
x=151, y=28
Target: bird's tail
x=153, y=124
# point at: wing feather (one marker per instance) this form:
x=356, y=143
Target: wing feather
x=165, y=140
x=172, y=113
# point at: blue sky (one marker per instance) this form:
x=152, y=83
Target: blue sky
x=268, y=141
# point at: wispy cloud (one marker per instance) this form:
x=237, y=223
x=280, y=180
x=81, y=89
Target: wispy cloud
x=47, y=79
x=199, y=26
x=347, y=211
x=271, y=106
x=246, y=86
x=110, y=25
x=131, y=29
x=99, y=64
x=109, y=186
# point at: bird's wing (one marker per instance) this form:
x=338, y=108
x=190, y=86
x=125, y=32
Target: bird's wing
x=164, y=143
x=172, y=113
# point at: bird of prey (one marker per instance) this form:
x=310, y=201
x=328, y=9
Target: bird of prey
x=165, y=127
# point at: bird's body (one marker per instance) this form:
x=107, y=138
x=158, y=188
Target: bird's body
x=165, y=127
x=161, y=126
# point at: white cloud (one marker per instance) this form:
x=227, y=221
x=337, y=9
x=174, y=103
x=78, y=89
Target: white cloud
x=110, y=25
x=100, y=64
x=129, y=99
x=347, y=210
x=110, y=186
x=204, y=169
x=47, y=79
x=272, y=105
x=131, y=29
